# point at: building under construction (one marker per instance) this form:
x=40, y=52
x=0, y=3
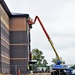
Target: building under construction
x=14, y=40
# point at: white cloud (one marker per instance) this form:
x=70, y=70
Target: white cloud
x=58, y=17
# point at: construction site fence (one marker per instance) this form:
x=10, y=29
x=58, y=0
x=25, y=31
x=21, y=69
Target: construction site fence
x=14, y=69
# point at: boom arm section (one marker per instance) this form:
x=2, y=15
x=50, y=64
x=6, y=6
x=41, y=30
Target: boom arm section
x=48, y=37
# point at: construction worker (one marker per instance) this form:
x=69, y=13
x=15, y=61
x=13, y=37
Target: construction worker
x=30, y=22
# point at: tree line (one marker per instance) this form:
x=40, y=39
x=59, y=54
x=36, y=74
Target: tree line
x=41, y=61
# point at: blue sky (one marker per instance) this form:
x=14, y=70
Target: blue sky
x=58, y=17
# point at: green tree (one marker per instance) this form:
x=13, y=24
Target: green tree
x=54, y=60
x=73, y=67
x=44, y=62
x=38, y=55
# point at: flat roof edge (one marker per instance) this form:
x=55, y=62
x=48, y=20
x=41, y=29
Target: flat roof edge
x=11, y=14
x=5, y=7
x=20, y=15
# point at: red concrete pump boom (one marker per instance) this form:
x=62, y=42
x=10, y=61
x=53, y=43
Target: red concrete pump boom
x=48, y=37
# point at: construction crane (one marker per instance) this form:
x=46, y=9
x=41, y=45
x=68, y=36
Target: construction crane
x=58, y=65
x=30, y=22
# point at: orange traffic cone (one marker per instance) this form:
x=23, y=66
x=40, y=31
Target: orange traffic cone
x=19, y=72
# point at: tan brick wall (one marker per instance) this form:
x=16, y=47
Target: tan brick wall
x=17, y=24
x=4, y=17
